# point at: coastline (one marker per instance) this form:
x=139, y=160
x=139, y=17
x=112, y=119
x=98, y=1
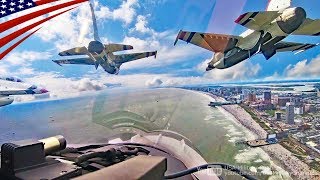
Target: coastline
x=294, y=166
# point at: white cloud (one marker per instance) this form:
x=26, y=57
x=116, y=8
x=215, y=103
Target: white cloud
x=304, y=69
x=242, y=71
x=3, y=69
x=126, y=12
x=25, y=57
x=69, y=29
x=25, y=71
x=155, y=82
x=72, y=28
x=274, y=76
x=59, y=86
x=87, y=84
x=141, y=25
x=167, y=53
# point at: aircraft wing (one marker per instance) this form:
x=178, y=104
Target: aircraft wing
x=123, y=58
x=283, y=46
x=209, y=41
x=309, y=27
x=74, y=51
x=83, y=61
x=257, y=20
x=22, y=92
x=117, y=47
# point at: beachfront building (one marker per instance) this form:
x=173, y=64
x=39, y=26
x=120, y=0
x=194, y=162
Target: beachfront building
x=252, y=97
x=267, y=97
x=290, y=113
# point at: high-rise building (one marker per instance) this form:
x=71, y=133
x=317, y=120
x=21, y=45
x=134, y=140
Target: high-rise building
x=282, y=101
x=267, y=97
x=241, y=97
x=252, y=97
x=290, y=113
x=245, y=93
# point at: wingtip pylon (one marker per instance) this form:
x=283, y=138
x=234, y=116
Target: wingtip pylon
x=57, y=62
x=96, y=65
x=177, y=38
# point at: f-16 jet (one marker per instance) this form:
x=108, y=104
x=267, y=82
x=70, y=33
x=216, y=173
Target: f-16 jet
x=266, y=30
x=8, y=89
x=100, y=54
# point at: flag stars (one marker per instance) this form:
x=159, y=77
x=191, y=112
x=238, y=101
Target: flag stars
x=21, y=1
x=20, y=7
x=3, y=1
x=29, y=4
x=3, y=12
x=3, y=6
x=11, y=9
x=12, y=4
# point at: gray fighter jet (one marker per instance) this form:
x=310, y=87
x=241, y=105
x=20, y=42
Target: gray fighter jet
x=100, y=54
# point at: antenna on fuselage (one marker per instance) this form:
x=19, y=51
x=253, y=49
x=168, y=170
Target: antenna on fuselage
x=94, y=21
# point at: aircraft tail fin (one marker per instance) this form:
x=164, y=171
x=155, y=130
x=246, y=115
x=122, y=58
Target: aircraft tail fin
x=32, y=87
x=268, y=53
x=94, y=21
x=277, y=5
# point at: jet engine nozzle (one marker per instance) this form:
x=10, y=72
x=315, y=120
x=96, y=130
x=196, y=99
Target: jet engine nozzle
x=291, y=19
x=95, y=47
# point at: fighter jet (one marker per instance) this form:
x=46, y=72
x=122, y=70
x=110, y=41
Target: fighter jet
x=100, y=54
x=13, y=86
x=266, y=31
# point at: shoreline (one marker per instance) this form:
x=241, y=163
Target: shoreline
x=294, y=166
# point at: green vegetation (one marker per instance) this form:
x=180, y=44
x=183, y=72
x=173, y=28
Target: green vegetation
x=299, y=152
x=270, y=112
x=256, y=118
x=292, y=147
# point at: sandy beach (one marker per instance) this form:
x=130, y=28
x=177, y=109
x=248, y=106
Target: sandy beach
x=295, y=167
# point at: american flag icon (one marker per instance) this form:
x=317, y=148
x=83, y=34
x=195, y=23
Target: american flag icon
x=12, y=14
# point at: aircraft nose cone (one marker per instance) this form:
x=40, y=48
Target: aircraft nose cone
x=209, y=68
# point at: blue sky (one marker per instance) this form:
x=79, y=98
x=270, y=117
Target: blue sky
x=153, y=25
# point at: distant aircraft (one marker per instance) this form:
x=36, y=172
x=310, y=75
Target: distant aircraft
x=13, y=79
x=100, y=54
x=6, y=94
x=266, y=31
